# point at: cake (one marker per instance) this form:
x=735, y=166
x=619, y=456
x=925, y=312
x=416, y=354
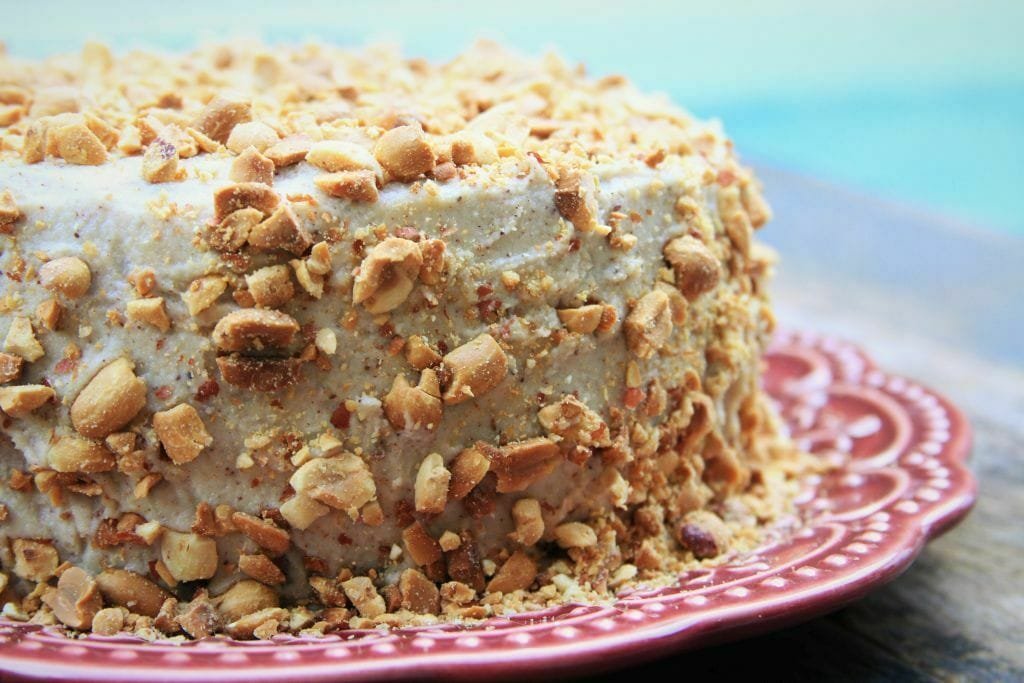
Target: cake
x=308, y=339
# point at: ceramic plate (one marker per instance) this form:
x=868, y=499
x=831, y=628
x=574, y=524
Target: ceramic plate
x=899, y=480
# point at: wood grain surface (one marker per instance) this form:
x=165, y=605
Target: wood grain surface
x=941, y=303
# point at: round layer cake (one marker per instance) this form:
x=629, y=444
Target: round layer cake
x=311, y=338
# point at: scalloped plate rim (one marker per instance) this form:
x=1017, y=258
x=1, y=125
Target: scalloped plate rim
x=617, y=647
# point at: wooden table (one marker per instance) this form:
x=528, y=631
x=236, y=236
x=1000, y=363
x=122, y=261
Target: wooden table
x=944, y=304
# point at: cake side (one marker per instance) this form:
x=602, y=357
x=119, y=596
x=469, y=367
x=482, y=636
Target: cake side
x=391, y=338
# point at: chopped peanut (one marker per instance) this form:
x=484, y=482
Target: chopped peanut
x=109, y=401
x=387, y=275
x=419, y=354
x=404, y=153
x=21, y=340
x=189, y=557
x=326, y=341
x=529, y=521
x=255, y=134
x=149, y=311
x=271, y=287
x=575, y=201
x=259, y=374
x=244, y=598
x=231, y=198
x=108, y=621
x=131, y=591
x=338, y=155
x=433, y=269
x=9, y=211
x=265, y=534
x=291, y=150
x=76, y=144
x=10, y=367
x=68, y=275
x=221, y=115
x=34, y=560
x=48, y=313
x=254, y=329
x=471, y=147
x=704, y=534
x=696, y=269
x=419, y=594
x=182, y=433
x=573, y=421
x=301, y=511
x=469, y=468
x=20, y=401
x=281, y=230
x=432, y=485
x=203, y=292
x=421, y=546
x=476, y=367
x=261, y=568
x=342, y=482
x=252, y=167
x=160, y=162
x=364, y=596
x=583, y=320
x=517, y=573
x=408, y=407
x=72, y=454
x=575, y=535
x=649, y=325
x=521, y=463
x=76, y=600
x=355, y=186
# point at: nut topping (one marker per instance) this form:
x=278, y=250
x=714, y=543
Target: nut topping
x=259, y=374
x=131, y=591
x=342, y=482
x=476, y=367
x=250, y=329
x=76, y=144
x=704, y=534
x=289, y=151
x=203, y=292
x=265, y=534
x=301, y=511
x=244, y=598
x=281, y=230
x=252, y=167
x=432, y=485
x=189, y=557
x=387, y=275
x=160, y=162
x=522, y=463
x=182, y=433
x=419, y=594
x=574, y=199
x=69, y=276
x=583, y=320
x=404, y=153
x=219, y=117
x=517, y=573
x=271, y=287
x=251, y=134
x=408, y=407
x=231, y=198
x=469, y=468
x=149, y=311
x=9, y=211
x=649, y=325
x=529, y=521
x=10, y=367
x=364, y=596
x=72, y=454
x=261, y=568
x=109, y=401
x=21, y=340
x=696, y=269
x=575, y=535
x=573, y=421
x=21, y=400
x=34, y=560
x=76, y=600
x=421, y=546
x=355, y=186
x=338, y=155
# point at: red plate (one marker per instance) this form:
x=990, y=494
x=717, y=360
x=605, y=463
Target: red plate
x=899, y=481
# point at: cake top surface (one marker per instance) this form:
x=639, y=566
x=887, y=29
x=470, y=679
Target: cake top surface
x=515, y=105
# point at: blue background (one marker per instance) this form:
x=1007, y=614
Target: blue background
x=917, y=101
